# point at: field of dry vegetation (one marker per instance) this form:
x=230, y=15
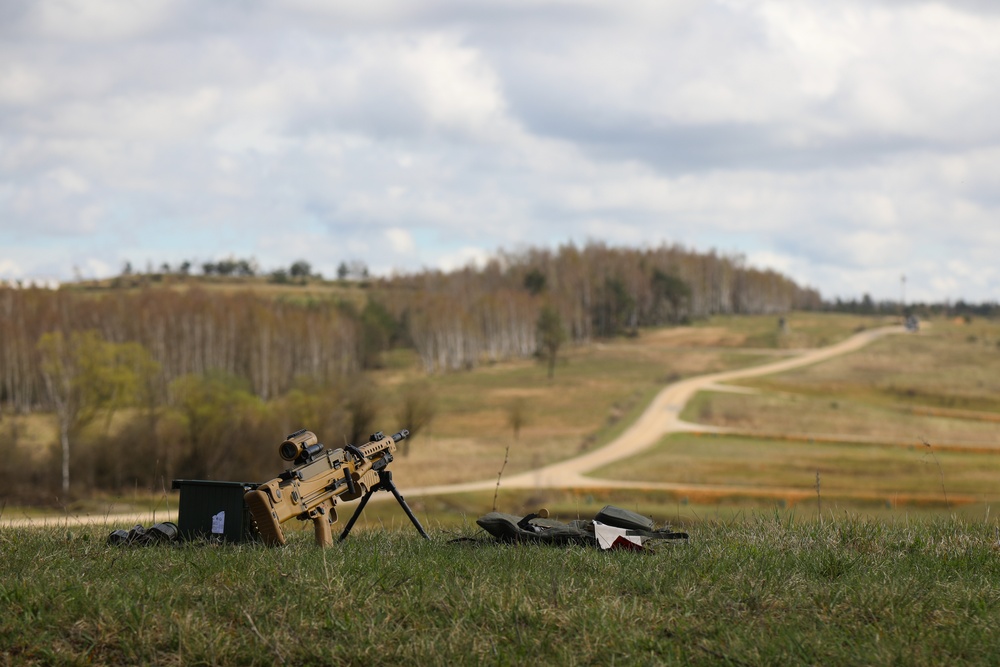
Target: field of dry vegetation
x=910, y=422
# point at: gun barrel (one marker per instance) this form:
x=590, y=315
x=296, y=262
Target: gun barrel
x=396, y=437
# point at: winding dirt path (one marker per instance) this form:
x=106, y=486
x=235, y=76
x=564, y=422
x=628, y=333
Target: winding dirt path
x=662, y=417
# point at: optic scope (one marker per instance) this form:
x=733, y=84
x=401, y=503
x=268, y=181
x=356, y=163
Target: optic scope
x=300, y=445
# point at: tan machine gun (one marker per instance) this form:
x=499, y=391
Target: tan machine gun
x=320, y=477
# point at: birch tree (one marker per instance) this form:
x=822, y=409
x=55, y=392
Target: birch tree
x=85, y=375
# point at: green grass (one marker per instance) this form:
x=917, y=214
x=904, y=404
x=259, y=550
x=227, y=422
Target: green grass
x=763, y=589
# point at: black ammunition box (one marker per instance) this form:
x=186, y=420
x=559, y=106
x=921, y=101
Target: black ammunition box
x=214, y=511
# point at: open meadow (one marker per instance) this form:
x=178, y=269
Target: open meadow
x=759, y=589
x=910, y=422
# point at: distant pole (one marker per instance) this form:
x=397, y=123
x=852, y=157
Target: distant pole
x=902, y=294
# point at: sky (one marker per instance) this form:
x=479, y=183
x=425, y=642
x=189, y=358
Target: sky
x=852, y=145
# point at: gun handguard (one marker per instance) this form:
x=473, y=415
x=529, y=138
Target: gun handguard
x=310, y=490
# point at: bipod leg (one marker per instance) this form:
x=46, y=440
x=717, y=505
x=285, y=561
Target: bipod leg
x=357, y=513
x=385, y=481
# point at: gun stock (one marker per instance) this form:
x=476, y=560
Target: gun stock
x=310, y=489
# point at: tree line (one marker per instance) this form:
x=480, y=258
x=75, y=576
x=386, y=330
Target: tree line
x=298, y=272
x=210, y=361
x=869, y=306
x=268, y=342
x=460, y=318
x=512, y=307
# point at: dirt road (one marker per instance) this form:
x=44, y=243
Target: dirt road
x=660, y=418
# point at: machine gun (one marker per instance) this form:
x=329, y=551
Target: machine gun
x=310, y=489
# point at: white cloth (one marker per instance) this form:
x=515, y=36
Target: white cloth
x=609, y=537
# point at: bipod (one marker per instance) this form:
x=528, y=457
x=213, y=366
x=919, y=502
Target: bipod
x=385, y=483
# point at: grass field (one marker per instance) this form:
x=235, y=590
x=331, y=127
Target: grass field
x=315, y=289
x=905, y=420
x=760, y=589
x=891, y=473
x=801, y=330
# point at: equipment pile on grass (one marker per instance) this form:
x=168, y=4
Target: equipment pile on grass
x=611, y=528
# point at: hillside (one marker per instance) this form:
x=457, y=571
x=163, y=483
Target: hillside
x=200, y=377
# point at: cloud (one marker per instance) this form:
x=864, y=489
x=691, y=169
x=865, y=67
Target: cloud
x=463, y=257
x=846, y=142
x=797, y=85
x=400, y=241
x=10, y=269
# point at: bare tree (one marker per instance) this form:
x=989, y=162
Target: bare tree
x=551, y=336
x=362, y=410
x=416, y=411
x=517, y=417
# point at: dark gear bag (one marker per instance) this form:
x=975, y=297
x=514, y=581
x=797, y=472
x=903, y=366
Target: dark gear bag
x=535, y=528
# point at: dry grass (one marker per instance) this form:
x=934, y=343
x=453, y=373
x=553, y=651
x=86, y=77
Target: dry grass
x=802, y=330
x=942, y=385
x=861, y=420
x=35, y=432
x=882, y=471
x=596, y=392
x=839, y=415
x=947, y=365
x=312, y=290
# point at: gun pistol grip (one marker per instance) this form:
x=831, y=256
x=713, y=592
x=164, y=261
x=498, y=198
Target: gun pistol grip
x=322, y=531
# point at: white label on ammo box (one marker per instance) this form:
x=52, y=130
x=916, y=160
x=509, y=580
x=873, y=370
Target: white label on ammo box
x=219, y=523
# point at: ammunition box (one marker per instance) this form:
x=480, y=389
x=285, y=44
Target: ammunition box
x=214, y=511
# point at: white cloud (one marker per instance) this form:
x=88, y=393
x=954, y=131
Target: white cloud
x=68, y=180
x=845, y=143
x=97, y=268
x=20, y=84
x=10, y=269
x=468, y=256
x=766, y=259
x=400, y=241
x=96, y=20
x=455, y=85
